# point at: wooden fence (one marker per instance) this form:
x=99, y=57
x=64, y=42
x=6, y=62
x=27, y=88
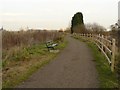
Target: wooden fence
x=107, y=46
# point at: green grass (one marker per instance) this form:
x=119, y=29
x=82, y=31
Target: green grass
x=106, y=77
x=25, y=62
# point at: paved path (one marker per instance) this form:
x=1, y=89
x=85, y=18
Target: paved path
x=73, y=68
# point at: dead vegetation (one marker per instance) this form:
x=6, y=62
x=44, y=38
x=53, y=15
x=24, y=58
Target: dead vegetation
x=26, y=38
x=24, y=52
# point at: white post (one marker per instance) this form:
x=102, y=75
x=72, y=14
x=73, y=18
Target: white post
x=84, y=35
x=102, y=40
x=113, y=56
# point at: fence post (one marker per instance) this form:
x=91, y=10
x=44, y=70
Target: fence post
x=80, y=34
x=102, y=40
x=92, y=36
x=89, y=35
x=113, y=56
x=86, y=35
x=98, y=37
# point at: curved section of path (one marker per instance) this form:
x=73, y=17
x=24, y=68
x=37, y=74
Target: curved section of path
x=73, y=68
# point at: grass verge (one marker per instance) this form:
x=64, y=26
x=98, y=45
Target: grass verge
x=107, y=79
x=20, y=65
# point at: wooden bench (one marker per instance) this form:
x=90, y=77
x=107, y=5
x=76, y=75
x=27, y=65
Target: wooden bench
x=51, y=45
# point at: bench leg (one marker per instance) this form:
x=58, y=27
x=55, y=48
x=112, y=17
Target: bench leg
x=53, y=48
x=48, y=49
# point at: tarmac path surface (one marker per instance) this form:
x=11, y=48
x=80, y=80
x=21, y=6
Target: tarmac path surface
x=72, y=68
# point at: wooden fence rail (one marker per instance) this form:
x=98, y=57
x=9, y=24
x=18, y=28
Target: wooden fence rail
x=107, y=47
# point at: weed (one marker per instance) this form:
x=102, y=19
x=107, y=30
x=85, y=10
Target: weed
x=106, y=77
x=20, y=68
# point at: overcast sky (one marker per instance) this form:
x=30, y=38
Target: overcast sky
x=56, y=14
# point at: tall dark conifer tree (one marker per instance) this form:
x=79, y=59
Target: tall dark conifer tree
x=77, y=20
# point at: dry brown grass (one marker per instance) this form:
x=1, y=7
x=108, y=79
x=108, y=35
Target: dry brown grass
x=15, y=42
x=24, y=52
x=26, y=38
